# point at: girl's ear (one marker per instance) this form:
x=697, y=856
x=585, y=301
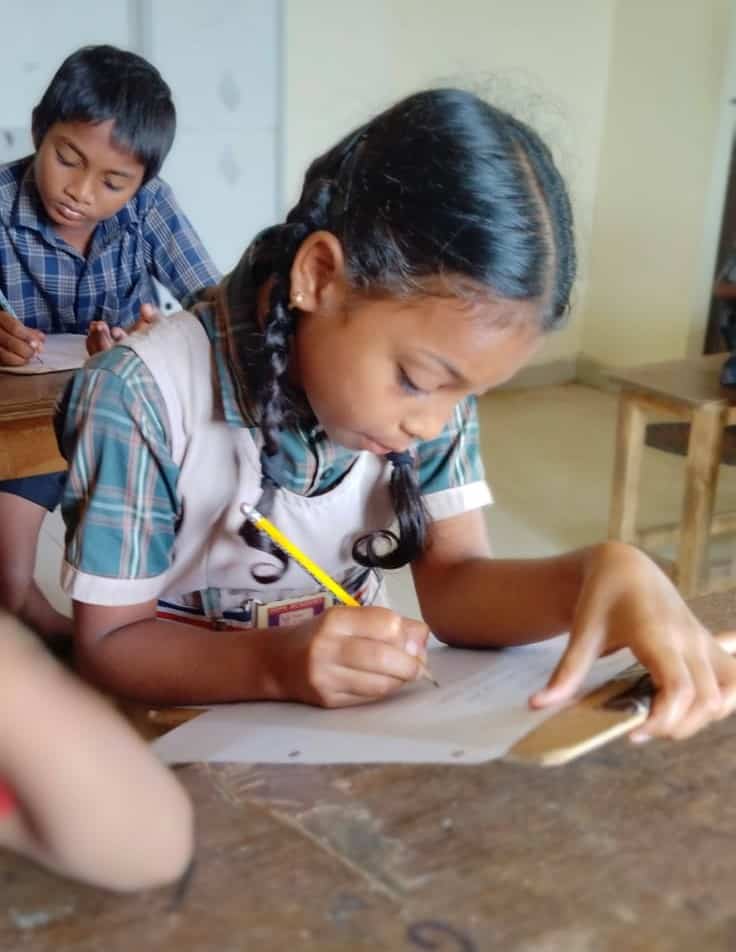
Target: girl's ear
x=318, y=281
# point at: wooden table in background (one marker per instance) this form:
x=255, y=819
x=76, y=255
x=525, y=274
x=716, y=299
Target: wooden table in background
x=630, y=848
x=683, y=390
x=27, y=441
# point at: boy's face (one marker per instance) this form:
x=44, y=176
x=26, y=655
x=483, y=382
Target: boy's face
x=83, y=178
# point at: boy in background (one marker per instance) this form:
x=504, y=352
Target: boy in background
x=85, y=228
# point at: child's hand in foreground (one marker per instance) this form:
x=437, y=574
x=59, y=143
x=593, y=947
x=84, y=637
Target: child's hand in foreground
x=348, y=656
x=626, y=601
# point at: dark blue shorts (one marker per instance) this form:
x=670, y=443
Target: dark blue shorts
x=44, y=490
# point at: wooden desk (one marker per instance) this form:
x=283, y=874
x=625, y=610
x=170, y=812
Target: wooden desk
x=27, y=441
x=685, y=390
x=628, y=849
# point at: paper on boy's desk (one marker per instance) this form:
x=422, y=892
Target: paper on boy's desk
x=478, y=713
x=60, y=352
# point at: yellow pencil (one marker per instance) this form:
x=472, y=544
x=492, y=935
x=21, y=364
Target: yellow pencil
x=318, y=574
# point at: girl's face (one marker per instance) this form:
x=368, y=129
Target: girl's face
x=383, y=374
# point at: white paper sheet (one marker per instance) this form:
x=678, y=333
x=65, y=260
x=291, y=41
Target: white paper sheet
x=480, y=710
x=60, y=352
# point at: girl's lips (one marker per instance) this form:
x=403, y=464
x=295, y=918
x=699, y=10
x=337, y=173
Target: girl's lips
x=378, y=448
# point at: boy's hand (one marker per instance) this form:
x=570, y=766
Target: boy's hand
x=102, y=337
x=18, y=343
x=348, y=656
x=99, y=337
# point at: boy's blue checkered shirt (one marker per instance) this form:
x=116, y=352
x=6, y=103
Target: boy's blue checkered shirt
x=53, y=287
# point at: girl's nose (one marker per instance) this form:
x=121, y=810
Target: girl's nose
x=428, y=423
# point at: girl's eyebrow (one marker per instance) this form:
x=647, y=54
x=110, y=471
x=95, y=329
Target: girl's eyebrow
x=83, y=157
x=445, y=364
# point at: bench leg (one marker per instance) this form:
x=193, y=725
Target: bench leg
x=701, y=481
x=627, y=468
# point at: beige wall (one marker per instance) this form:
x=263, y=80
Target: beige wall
x=666, y=73
x=628, y=94
x=548, y=61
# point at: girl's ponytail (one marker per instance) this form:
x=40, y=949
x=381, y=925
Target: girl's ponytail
x=411, y=515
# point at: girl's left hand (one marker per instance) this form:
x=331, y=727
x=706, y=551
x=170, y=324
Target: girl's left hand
x=626, y=601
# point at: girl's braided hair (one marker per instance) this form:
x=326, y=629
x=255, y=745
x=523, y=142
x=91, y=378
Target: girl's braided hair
x=441, y=184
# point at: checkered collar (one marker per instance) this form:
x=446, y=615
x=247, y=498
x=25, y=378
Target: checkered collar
x=307, y=462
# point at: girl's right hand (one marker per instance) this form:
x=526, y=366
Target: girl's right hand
x=18, y=343
x=348, y=656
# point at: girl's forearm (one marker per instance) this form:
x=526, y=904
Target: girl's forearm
x=163, y=662
x=498, y=602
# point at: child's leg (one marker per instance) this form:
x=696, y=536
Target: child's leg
x=20, y=522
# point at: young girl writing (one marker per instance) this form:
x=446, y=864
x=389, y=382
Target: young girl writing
x=86, y=225
x=79, y=791
x=332, y=383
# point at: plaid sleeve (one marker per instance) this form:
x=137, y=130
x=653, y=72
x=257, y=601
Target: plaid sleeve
x=120, y=504
x=174, y=252
x=450, y=468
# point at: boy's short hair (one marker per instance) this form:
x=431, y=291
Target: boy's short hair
x=98, y=83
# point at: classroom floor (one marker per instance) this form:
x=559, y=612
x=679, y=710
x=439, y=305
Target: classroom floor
x=549, y=458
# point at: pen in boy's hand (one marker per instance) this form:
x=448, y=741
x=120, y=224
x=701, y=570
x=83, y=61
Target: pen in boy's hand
x=5, y=306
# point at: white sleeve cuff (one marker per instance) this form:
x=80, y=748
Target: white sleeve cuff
x=460, y=499
x=102, y=590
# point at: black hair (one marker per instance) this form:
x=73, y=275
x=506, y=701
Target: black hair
x=441, y=184
x=98, y=83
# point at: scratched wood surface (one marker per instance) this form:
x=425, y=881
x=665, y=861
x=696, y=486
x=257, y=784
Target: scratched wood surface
x=628, y=848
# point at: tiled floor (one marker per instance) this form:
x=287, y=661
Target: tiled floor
x=549, y=458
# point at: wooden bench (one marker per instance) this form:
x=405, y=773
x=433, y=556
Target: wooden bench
x=27, y=440
x=688, y=391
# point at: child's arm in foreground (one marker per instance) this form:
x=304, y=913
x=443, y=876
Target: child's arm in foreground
x=92, y=801
x=609, y=596
x=342, y=657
